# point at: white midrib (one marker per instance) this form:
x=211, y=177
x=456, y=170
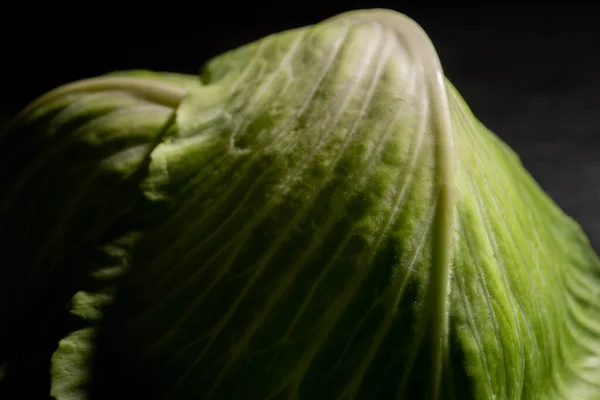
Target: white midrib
x=419, y=47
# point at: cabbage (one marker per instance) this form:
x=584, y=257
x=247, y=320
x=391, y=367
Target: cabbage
x=319, y=215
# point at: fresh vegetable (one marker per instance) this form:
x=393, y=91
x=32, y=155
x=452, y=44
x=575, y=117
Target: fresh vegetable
x=317, y=216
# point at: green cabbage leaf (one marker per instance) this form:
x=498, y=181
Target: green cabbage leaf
x=318, y=215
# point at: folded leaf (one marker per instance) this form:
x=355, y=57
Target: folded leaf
x=348, y=229
x=70, y=166
x=320, y=216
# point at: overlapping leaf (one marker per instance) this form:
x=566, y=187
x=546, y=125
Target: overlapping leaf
x=340, y=226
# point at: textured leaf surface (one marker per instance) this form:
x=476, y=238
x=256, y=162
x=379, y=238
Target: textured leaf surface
x=348, y=229
x=334, y=224
x=71, y=362
x=69, y=171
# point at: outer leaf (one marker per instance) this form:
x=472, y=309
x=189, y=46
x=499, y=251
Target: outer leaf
x=71, y=362
x=347, y=229
x=70, y=165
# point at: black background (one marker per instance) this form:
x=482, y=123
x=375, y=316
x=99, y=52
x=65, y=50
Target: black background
x=528, y=71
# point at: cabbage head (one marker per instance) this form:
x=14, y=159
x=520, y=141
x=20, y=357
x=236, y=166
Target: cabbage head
x=317, y=215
